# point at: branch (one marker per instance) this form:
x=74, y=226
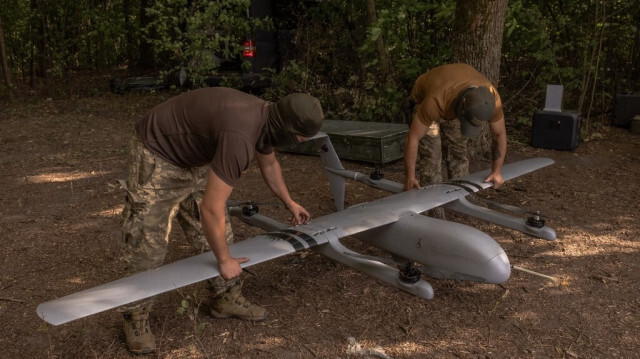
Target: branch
x=11, y=300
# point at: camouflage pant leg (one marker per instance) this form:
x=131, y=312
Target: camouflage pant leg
x=430, y=156
x=154, y=189
x=189, y=220
x=454, y=149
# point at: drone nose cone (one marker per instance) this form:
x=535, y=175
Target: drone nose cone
x=498, y=269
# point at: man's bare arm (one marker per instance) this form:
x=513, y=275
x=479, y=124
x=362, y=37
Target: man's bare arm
x=272, y=174
x=498, y=152
x=417, y=130
x=212, y=217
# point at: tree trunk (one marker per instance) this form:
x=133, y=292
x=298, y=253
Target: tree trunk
x=146, y=59
x=388, y=76
x=39, y=30
x=479, y=25
x=3, y=60
x=383, y=55
x=130, y=28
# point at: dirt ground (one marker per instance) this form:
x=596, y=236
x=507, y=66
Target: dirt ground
x=59, y=223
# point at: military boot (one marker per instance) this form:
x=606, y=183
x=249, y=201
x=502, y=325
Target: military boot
x=231, y=304
x=138, y=334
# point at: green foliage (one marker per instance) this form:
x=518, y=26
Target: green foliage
x=14, y=15
x=587, y=46
x=592, y=47
x=200, y=35
x=417, y=35
x=293, y=77
x=48, y=38
x=190, y=306
x=335, y=53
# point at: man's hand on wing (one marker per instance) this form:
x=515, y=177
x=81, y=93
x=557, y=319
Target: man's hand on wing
x=411, y=183
x=231, y=268
x=300, y=214
x=496, y=178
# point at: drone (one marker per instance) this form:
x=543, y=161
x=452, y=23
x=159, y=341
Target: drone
x=421, y=247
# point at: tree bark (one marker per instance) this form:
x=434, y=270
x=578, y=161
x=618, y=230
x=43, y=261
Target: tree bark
x=146, y=58
x=383, y=55
x=3, y=60
x=479, y=25
x=129, y=27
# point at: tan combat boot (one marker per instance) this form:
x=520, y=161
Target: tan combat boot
x=231, y=304
x=138, y=334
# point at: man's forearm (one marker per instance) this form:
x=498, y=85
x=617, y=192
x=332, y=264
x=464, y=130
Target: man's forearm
x=498, y=145
x=272, y=174
x=498, y=152
x=214, y=230
x=410, y=157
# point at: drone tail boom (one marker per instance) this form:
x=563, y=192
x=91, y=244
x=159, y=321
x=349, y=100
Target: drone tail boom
x=337, y=175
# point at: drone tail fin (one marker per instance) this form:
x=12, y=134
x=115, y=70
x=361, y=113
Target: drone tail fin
x=330, y=161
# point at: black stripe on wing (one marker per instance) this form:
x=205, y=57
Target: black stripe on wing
x=293, y=240
x=311, y=242
x=464, y=184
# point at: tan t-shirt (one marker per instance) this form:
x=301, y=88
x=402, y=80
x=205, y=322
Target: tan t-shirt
x=436, y=91
x=216, y=126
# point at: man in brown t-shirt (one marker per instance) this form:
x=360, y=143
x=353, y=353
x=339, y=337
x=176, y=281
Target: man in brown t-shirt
x=187, y=153
x=452, y=103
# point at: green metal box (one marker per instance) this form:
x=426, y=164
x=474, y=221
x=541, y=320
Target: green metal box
x=373, y=142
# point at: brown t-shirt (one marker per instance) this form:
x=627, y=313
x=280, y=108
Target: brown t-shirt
x=436, y=91
x=216, y=126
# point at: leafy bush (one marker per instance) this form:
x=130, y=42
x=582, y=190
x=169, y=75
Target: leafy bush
x=198, y=36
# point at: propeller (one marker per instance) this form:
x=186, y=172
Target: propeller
x=249, y=208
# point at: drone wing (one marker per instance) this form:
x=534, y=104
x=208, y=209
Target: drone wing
x=171, y=276
x=191, y=270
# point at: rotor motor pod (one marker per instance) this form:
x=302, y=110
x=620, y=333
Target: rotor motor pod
x=376, y=175
x=535, y=220
x=249, y=210
x=409, y=274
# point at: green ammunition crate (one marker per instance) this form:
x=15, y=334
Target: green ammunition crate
x=373, y=142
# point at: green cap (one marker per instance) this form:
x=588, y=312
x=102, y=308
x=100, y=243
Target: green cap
x=302, y=112
x=475, y=106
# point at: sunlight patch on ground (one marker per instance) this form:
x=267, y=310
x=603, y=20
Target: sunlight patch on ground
x=598, y=245
x=596, y=240
x=109, y=212
x=76, y=280
x=62, y=176
x=267, y=344
x=188, y=352
x=429, y=349
x=409, y=349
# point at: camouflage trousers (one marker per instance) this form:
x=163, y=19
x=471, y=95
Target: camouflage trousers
x=443, y=141
x=157, y=192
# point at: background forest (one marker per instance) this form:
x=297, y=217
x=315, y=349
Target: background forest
x=330, y=48
x=64, y=141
